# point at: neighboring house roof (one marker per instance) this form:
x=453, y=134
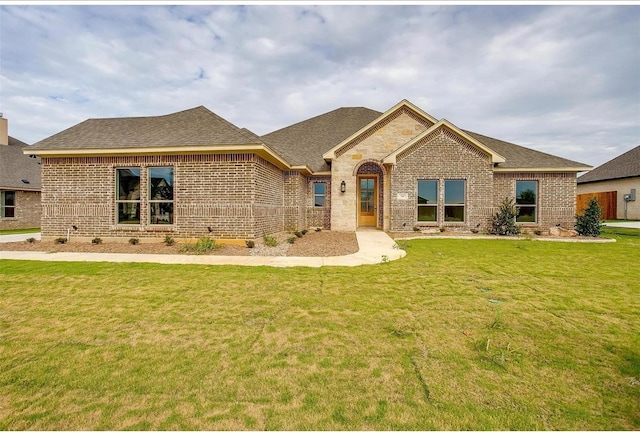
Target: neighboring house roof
x=305, y=142
x=623, y=166
x=16, y=168
x=192, y=127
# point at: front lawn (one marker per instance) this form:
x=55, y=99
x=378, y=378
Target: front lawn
x=459, y=335
x=18, y=231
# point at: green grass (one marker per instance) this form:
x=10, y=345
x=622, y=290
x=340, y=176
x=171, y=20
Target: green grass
x=458, y=335
x=18, y=231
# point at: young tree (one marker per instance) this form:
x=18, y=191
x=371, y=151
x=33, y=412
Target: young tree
x=504, y=221
x=588, y=224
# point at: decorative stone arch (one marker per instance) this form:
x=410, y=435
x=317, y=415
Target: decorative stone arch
x=373, y=166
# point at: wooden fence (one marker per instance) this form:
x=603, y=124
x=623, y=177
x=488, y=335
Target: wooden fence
x=608, y=202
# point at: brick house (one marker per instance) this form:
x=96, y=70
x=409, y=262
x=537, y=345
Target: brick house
x=349, y=168
x=19, y=183
x=614, y=184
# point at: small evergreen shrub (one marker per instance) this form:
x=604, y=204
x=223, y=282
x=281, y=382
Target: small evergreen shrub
x=61, y=240
x=31, y=240
x=291, y=239
x=416, y=229
x=270, y=241
x=588, y=224
x=298, y=234
x=134, y=241
x=442, y=229
x=504, y=221
x=304, y=231
x=318, y=229
x=169, y=241
x=96, y=241
x=250, y=244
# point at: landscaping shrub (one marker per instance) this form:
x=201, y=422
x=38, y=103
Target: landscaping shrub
x=318, y=229
x=201, y=246
x=504, y=221
x=416, y=229
x=96, y=241
x=291, y=239
x=61, y=240
x=588, y=224
x=169, y=241
x=270, y=241
x=298, y=234
x=134, y=241
x=305, y=231
x=31, y=240
x=250, y=244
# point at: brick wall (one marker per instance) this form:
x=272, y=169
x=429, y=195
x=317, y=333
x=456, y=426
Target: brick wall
x=27, y=211
x=318, y=216
x=441, y=156
x=238, y=196
x=556, y=197
x=295, y=185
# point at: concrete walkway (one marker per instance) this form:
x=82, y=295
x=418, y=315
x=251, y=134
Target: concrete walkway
x=626, y=224
x=375, y=247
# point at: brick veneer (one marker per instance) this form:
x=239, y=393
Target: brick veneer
x=441, y=157
x=27, y=211
x=237, y=195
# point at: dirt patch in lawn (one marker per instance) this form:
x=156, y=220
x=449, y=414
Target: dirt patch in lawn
x=312, y=244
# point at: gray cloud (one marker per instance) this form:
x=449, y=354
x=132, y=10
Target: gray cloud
x=560, y=79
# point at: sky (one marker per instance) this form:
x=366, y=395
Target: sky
x=559, y=78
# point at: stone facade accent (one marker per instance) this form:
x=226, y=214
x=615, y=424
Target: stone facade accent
x=373, y=145
x=27, y=211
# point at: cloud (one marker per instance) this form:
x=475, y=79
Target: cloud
x=561, y=79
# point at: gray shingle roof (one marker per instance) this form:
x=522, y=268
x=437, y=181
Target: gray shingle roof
x=16, y=166
x=623, y=166
x=192, y=127
x=517, y=156
x=305, y=142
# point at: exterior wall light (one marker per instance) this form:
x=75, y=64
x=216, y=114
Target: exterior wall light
x=343, y=187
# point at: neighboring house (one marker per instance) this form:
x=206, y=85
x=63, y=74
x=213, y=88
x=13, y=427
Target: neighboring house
x=614, y=184
x=192, y=174
x=19, y=183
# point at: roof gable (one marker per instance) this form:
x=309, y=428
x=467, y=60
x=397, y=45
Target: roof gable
x=623, y=166
x=443, y=125
x=403, y=106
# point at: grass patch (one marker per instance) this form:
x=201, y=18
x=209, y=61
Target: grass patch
x=201, y=246
x=18, y=231
x=412, y=344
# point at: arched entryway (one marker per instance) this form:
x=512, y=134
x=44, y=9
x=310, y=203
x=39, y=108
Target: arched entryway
x=370, y=195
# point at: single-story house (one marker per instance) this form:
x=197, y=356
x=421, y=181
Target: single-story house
x=614, y=184
x=19, y=183
x=192, y=174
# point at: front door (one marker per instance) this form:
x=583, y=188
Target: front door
x=367, y=201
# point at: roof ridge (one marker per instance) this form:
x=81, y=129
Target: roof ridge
x=319, y=116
